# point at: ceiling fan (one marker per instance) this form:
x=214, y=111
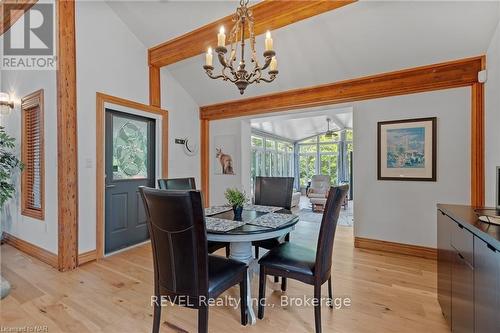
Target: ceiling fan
x=329, y=132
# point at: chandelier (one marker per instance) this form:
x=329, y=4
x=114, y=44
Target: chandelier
x=243, y=24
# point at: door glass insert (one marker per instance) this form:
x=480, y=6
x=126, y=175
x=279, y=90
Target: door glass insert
x=130, y=148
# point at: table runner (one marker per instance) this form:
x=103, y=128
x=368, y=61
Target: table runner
x=262, y=209
x=221, y=225
x=214, y=210
x=272, y=220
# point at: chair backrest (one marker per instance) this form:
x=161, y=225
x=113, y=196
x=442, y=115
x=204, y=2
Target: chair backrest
x=327, y=231
x=179, y=241
x=320, y=183
x=274, y=191
x=177, y=184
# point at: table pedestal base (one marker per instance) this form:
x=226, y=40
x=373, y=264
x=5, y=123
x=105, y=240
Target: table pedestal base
x=242, y=251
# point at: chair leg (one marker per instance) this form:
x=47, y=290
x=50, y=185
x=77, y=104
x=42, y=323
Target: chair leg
x=330, y=291
x=243, y=300
x=227, y=251
x=203, y=319
x=256, y=252
x=317, y=308
x=276, y=279
x=262, y=292
x=156, y=317
x=283, y=283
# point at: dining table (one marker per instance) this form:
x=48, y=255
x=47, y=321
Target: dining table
x=256, y=223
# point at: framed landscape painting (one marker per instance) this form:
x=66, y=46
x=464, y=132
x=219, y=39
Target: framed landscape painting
x=407, y=149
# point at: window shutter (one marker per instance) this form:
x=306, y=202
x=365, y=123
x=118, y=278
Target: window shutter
x=32, y=183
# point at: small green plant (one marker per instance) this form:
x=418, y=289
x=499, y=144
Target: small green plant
x=235, y=197
x=8, y=163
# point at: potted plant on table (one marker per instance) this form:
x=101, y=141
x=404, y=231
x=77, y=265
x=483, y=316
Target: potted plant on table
x=237, y=199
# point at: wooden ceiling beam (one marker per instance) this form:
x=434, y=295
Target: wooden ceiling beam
x=11, y=11
x=269, y=15
x=458, y=73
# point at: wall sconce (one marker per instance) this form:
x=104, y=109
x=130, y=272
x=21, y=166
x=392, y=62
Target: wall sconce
x=5, y=103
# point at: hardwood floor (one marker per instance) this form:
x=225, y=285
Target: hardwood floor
x=389, y=293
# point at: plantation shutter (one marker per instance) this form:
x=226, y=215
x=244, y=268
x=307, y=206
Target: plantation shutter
x=32, y=184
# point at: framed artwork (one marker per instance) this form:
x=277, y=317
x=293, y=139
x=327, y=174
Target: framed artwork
x=407, y=149
x=225, y=150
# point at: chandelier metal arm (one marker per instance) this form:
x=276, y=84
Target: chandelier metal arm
x=237, y=73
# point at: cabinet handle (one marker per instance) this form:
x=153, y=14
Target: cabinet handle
x=491, y=247
x=461, y=256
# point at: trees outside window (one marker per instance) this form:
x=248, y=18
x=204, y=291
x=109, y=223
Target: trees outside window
x=325, y=155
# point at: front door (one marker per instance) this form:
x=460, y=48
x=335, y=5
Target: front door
x=130, y=163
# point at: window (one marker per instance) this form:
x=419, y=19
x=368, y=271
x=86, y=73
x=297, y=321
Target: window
x=271, y=158
x=325, y=155
x=32, y=155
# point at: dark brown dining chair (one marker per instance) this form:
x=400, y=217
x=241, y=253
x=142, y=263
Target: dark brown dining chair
x=184, y=272
x=185, y=184
x=177, y=184
x=272, y=191
x=300, y=263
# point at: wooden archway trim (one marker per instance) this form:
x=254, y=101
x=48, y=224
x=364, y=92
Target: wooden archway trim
x=451, y=74
x=268, y=15
x=11, y=11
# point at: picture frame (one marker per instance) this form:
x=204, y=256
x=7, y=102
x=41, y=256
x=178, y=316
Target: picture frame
x=407, y=149
x=225, y=154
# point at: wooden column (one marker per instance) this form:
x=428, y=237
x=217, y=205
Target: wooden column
x=154, y=86
x=67, y=143
x=477, y=145
x=205, y=159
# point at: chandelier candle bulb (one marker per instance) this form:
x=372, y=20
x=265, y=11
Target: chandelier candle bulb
x=235, y=69
x=274, y=64
x=221, y=37
x=209, y=57
x=269, y=41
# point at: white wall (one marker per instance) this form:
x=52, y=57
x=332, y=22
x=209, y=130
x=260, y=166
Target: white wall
x=19, y=84
x=240, y=128
x=404, y=211
x=183, y=115
x=110, y=59
x=492, y=117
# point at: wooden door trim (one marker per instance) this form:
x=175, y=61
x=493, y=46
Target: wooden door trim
x=451, y=74
x=101, y=100
x=268, y=15
x=67, y=138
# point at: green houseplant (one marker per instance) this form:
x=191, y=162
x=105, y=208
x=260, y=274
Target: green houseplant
x=8, y=163
x=237, y=199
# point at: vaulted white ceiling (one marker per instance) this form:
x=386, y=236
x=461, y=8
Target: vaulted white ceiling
x=364, y=38
x=303, y=124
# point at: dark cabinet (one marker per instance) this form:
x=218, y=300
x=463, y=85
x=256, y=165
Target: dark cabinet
x=462, y=291
x=468, y=278
x=445, y=257
x=486, y=287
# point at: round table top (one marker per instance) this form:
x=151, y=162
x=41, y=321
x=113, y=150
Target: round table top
x=249, y=232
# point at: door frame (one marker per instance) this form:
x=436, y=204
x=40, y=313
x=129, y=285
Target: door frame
x=161, y=149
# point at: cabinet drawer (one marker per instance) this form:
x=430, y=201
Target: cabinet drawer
x=463, y=241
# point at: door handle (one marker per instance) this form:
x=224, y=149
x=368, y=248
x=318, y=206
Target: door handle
x=110, y=186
